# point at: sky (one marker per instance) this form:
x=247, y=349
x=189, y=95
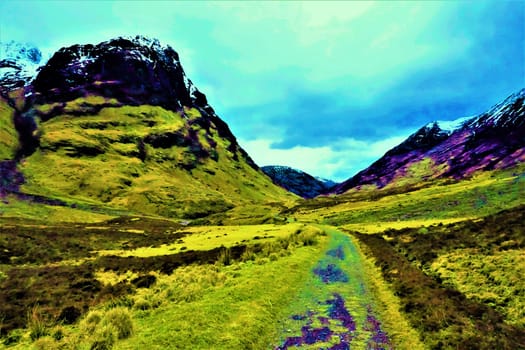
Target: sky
x=325, y=87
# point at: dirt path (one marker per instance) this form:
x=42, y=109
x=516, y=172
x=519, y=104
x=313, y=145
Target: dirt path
x=335, y=310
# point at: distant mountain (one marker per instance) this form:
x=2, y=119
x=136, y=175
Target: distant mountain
x=18, y=64
x=297, y=181
x=120, y=124
x=492, y=140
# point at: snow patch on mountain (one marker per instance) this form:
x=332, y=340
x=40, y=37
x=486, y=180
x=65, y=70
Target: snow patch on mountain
x=452, y=125
x=509, y=113
x=19, y=63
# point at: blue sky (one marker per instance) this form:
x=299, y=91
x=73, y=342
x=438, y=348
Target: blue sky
x=327, y=87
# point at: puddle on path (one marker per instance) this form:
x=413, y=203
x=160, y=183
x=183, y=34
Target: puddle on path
x=338, y=310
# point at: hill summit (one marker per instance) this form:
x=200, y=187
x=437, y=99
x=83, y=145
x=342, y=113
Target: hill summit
x=120, y=124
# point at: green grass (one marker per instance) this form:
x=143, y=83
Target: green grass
x=234, y=260
x=243, y=303
x=8, y=133
x=209, y=237
x=225, y=306
x=441, y=201
x=15, y=209
x=460, y=284
x=97, y=158
x=238, y=312
x=493, y=279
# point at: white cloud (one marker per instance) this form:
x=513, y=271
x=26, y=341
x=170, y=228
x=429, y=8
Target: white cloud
x=338, y=162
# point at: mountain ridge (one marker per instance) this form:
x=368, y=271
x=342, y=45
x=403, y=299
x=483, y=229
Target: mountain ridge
x=491, y=140
x=297, y=181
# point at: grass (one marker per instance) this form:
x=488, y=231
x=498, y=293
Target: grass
x=493, y=279
x=458, y=284
x=101, y=157
x=209, y=237
x=233, y=303
x=8, y=133
x=209, y=254
x=15, y=209
x=441, y=201
x=230, y=308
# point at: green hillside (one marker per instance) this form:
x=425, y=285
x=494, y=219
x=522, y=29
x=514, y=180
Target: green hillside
x=144, y=159
x=8, y=134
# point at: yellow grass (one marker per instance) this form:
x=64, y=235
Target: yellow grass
x=381, y=226
x=209, y=237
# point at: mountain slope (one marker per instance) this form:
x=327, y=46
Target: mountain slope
x=120, y=124
x=492, y=140
x=18, y=64
x=296, y=181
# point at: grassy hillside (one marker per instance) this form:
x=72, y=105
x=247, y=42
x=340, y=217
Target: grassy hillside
x=446, y=274
x=371, y=210
x=8, y=134
x=145, y=159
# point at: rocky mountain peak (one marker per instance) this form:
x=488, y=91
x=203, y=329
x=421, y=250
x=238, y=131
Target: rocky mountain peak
x=509, y=114
x=132, y=71
x=135, y=71
x=492, y=140
x=18, y=64
x=423, y=139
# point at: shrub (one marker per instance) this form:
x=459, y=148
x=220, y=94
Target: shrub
x=104, y=338
x=36, y=324
x=58, y=333
x=120, y=318
x=308, y=239
x=90, y=322
x=45, y=343
x=142, y=304
x=273, y=257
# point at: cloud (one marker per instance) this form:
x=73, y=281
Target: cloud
x=330, y=80
x=337, y=162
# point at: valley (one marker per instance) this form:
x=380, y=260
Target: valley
x=131, y=218
x=254, y=286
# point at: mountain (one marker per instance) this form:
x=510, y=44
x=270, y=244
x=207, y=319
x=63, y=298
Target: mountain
x=492, y=140
x=297, y=181
x=119, y=124
x=18, y=64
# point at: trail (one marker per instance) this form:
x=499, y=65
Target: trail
x=335, y=310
